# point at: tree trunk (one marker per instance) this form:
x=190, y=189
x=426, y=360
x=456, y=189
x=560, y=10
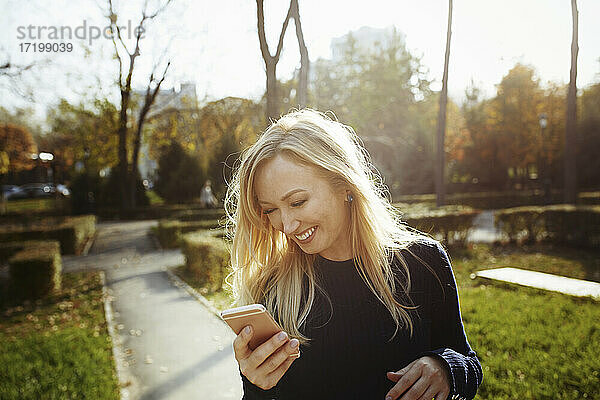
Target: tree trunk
x=272, y=89
x=571, y=125
x=271, y=61
x=123, y=162
x=302, y=94
x=441, y=123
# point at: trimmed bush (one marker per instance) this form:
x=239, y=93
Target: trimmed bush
x=207, y=258
x=35, y=271
x=521, y=223
x=169, y=232
x=562, y=224
x=71, y=232
x=200, y=215
x=8, y=249
x=573, y=225
x=499, y=200
x=452, y=223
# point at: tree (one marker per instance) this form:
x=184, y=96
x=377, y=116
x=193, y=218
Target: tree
x=503, y=143
x=302, y=91
x=211, y=134
x=588, y=133
x=571, y=126
x=382, y=93
x=18, y=146
x=180, y=176
x=126, y=58
x=16, y=150
x=271, y=61
x=226, y=126
x=82, y=133
x=11, y=75
x=441, y=125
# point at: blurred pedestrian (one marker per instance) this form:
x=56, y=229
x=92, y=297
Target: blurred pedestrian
x=207, y=199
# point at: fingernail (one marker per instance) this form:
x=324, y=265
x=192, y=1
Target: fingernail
x=294, y=343
x=388, y=397
x=247, y=330
x=282, y=336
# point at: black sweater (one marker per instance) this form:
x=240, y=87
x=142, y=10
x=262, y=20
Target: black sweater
x=350, y=352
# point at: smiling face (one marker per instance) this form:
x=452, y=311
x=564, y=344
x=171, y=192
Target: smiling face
x=305, y=207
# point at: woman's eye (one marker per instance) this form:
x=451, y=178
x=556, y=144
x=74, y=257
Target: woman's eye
x=296, y=204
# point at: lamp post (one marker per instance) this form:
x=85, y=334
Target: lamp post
x=543, y=177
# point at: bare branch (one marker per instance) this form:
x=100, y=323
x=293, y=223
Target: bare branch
x=12, y=71
x=113, y=23
x=282, y=34
x=264, y=46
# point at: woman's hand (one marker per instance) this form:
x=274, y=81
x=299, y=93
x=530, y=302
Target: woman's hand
x=423, y=379
x=265, y=366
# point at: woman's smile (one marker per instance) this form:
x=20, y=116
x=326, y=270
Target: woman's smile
x=307, y=235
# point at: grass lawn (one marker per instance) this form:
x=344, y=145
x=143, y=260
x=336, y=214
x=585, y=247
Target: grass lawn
x=532, y=344
x=58, y=348
x=30, y=205
x=154, y=198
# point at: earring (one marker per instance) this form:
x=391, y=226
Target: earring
x=350, y=198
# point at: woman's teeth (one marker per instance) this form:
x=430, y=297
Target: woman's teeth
x=306, y=235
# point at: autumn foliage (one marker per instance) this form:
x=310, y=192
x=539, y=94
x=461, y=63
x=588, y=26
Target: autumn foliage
x=18, y=145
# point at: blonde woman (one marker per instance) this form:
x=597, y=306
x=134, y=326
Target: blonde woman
x=371, y=306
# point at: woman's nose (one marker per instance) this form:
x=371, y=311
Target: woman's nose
x=290, y=224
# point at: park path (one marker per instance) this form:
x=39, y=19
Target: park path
x=483, y=230
x=170, y=345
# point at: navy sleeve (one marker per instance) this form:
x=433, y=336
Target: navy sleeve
x=253, y=392
x=448, y=338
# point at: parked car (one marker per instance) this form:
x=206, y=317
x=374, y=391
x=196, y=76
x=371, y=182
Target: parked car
x=39, y=190
x=12, y=192
x=62, y=189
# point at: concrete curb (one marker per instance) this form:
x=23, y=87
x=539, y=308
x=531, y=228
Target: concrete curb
x=177, y=281
x=88, y=244
x=125, y=381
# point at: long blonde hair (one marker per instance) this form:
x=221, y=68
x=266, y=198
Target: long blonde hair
x=268, y=267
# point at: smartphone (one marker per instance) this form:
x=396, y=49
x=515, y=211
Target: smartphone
x=255, y=315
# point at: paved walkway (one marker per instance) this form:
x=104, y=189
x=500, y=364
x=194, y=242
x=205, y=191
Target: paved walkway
x=540, y=280
x=483, y=230
x=173, y=347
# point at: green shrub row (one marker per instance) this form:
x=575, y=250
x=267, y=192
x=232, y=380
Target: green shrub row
x=207, y=258
x=563, y=224
x=451, y=223
x=71, y=232
x=169, y=232
x=34, y=269
x=164, y=211
x=200, y=214
x=500, y=200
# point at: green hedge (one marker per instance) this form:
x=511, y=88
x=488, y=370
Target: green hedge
x=200, y=215
x=451, y=223
x=35, y=270
x=162, y=211
x=169, y=232
x=207, y=258
x=563, y=224
x=500, y=200
x=71, y=232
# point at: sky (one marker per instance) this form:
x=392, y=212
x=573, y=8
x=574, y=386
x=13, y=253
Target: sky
x=215, y=43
